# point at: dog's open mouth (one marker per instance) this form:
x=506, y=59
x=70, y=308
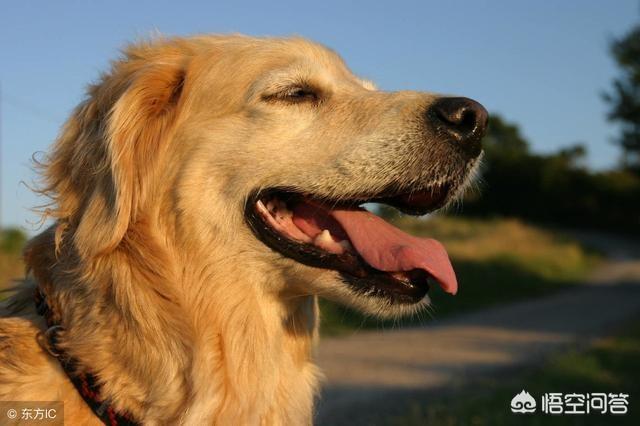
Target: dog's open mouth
x=372, y=255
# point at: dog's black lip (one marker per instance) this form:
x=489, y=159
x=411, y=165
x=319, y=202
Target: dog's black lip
x=384, y=285
x=353, y=270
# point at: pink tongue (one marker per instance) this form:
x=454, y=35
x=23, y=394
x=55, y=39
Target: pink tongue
x=388, y=249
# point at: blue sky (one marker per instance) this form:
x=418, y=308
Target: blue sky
x=540, y=64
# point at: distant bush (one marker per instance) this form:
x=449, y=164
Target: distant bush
x=554, y=189
x=12, y=240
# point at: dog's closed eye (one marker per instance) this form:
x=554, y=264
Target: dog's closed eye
x=301, y=94
x=295, y=95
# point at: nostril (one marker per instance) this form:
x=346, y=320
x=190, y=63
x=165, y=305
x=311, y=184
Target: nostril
x=463, y=119
x=468, y=120
x=455, y=117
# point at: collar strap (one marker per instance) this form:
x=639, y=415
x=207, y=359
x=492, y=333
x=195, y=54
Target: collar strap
x=86, y=383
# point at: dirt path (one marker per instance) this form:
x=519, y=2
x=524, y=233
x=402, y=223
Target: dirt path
x=371, y=369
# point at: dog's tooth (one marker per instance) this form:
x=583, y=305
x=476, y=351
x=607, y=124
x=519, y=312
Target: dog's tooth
x=270, y=207
x=323, y=237
x=325, y=241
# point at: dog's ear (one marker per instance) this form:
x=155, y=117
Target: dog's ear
x=100, y=168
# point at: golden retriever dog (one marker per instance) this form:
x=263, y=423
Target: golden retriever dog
x=204, y=194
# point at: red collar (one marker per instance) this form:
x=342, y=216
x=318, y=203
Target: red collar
x=86, y=383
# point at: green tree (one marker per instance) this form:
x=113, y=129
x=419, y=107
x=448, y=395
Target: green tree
x=555, y=188
x=504, y=139
x=624, y=97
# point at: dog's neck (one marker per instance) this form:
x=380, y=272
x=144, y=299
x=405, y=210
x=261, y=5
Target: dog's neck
x=185, y=345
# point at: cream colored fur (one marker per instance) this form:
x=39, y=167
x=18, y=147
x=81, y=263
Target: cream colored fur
x=163, y=291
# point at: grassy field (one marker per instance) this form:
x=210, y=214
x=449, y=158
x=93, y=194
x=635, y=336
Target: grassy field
x=610, y=365
x=496, y=261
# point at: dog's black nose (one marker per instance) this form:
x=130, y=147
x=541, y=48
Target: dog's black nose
x=463, y=119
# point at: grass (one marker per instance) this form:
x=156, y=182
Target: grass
x=496, y=261
x=610, y=365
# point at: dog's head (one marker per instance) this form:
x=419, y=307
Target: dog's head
x=255, y=155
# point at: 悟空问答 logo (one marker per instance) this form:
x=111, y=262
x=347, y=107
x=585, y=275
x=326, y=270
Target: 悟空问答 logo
x=523, y=403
